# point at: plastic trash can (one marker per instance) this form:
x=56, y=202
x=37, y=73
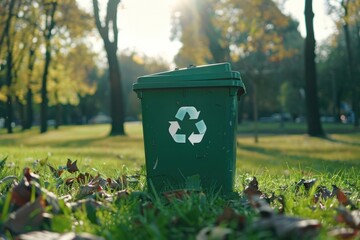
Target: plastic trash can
x=189, y=119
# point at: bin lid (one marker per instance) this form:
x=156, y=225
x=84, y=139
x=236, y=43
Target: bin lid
x=213, y=75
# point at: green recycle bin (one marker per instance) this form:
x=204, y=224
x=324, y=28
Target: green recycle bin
x=189, y=119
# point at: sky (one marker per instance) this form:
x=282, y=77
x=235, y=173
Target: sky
x=145, y=26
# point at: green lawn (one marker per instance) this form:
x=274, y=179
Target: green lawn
x=278, y=162
x=274, y=153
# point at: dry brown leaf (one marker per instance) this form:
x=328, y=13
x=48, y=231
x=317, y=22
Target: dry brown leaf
x=323, y=193
x=31, y=176
x=229, y=215
x=178, y=194
x=29, y=216
x=82, y=178
x=71, y=166
x=123, y=194
x=351, y=218
x=253, y=188
x=341, y=197
x=86, y=190
x=88, y=203
x=21, y=193
x=308, y=184
x=113, y=184
x=56, y=172
x=286, y=227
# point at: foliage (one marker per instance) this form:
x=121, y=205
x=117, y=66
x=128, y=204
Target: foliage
x=262, y=42
x=29, y=39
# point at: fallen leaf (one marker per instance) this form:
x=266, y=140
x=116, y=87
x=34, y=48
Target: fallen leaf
x=51, y=200
x=71, y=166
x=21, y=193
x=86, y=190
x=351, y=218
x=343, y=233
x=299, y=184
x=88, y=203
x=113, y=184
x=69, y=181
x=123, y=194
x=281, y=200
x=29, y=216
x=36, y=235
x=323, y=193
x=213, y=233
x=56, y=172
x=230, y=216
x=66, y=198
x=83, y=178
x=31, y=176
x=252, y=188
x=286, y=227
x=179, y=194
x=341, y=197
x=262, y=206
x=308, y=184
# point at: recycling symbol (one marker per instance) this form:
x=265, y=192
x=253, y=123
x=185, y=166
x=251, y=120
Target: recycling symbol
x=175, y=126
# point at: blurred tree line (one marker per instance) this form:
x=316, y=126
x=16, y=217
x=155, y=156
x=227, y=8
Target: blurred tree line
x=49, y=70
x=264, y=44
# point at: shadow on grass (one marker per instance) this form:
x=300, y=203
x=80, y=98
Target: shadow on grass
x=284, y=160
x=341, y=141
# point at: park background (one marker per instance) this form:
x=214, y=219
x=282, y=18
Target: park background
x=69, y=138
x=263, y=40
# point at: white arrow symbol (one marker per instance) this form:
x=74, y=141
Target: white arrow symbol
x=197, y=138
x=201, y=127
x=193, y=113
x=179, y=138
x=174, y=126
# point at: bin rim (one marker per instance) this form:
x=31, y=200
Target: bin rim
x=213, y=75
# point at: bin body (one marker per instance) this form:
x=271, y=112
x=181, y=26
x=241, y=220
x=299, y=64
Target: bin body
x=189, y=121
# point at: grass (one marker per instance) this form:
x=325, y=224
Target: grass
x=278, y=161
x=274, y=153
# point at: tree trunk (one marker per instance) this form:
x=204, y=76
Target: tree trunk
x=255, y=111
x=29, y=94
x=117, y=108
x=6, y=30
x=58, y=116
x=44, y=97
x=351, y=68
x=21, y=113
x=29, y=109
x=50, y=24
x=312, y=106
x=9, y=103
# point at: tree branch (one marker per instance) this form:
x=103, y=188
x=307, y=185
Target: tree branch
x=104, y=32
